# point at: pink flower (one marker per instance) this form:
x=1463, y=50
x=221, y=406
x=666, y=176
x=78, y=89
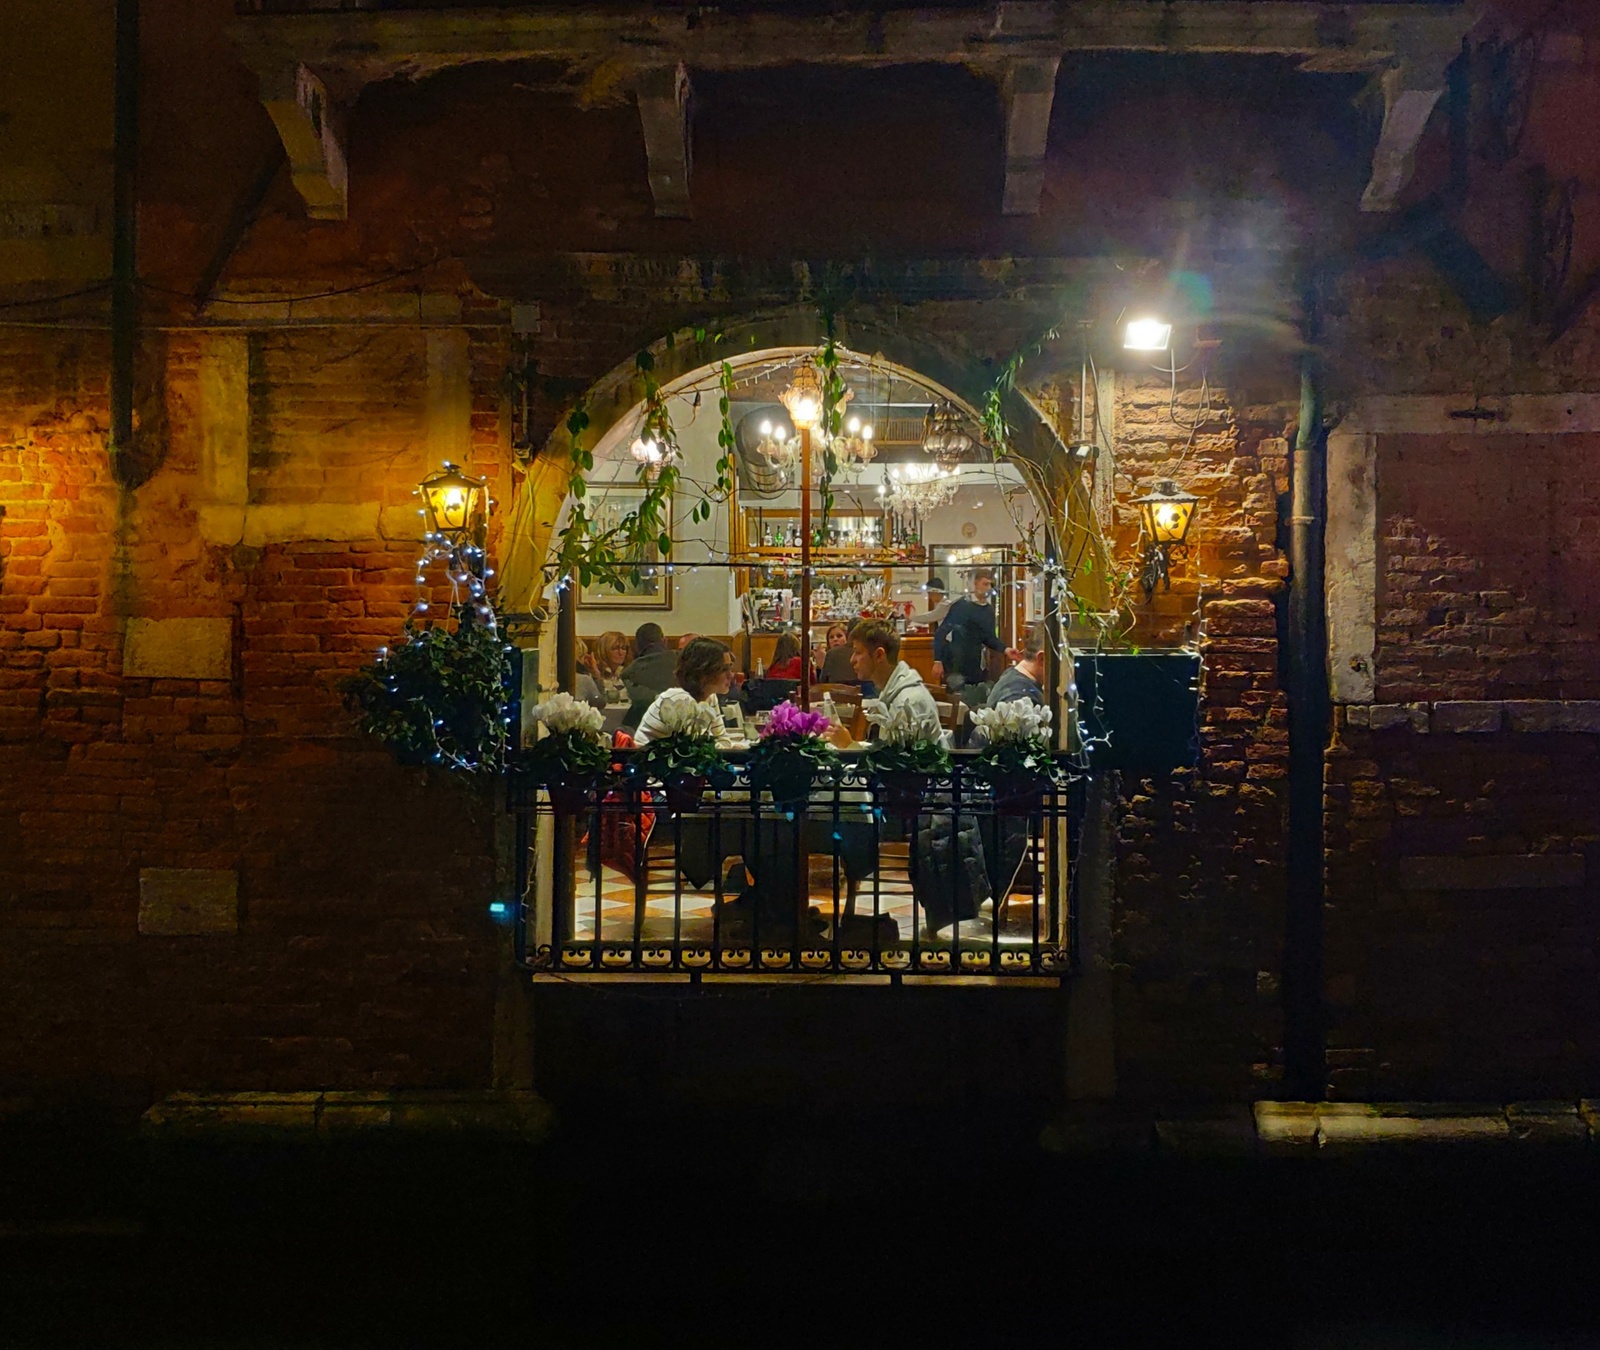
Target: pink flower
x=788, y=720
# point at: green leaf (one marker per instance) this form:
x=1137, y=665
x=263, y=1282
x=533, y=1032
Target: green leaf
x=645, y=360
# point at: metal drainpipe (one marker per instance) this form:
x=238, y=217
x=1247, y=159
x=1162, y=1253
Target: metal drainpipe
x=1304, y=1046
x=125, y=234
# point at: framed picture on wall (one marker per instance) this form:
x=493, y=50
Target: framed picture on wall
x=650, y=587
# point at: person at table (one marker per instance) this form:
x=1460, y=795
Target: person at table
x=875, y=656
x=652, y=671
x=938, y=605
x=786, y=663
x=612, y=651
x=704, y=671
x=949, y=877
x=968, y=631
x=1025, y=678
x=837, y=666
x=588, y=689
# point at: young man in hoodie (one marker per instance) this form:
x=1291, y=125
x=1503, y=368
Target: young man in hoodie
x=875, y=656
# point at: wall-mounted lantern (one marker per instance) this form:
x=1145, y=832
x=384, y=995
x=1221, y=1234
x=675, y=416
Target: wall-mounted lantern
x=1166, y=515
x=455, y=506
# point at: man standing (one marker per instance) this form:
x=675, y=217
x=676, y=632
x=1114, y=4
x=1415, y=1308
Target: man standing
x=967, y=632
x=652, y=671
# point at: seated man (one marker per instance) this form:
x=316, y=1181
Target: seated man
x=651, y=673
x=948, y=875
x=1026, y=678
x=875, y=656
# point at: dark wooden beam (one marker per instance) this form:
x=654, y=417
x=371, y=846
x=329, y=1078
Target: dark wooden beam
x=1029, y=91
x=663, y=95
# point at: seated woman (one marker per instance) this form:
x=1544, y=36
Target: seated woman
x=705, y=671
x=589, y=689
x=612, y=650
x=836, y=667
x=785, y=659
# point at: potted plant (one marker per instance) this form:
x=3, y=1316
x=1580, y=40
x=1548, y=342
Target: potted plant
x=905, y=758
x=790, y=755
x=684, y=754
x=1016, y=759
x=570, y=759
x=438, y=697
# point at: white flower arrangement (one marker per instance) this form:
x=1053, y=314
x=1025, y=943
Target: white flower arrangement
x=901, y=725
x=689, y=718
x=1018, y=721
x=564, y=715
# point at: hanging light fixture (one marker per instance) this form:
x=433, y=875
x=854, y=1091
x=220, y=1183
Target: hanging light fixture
x=778, y=447
x=920, y=486
x=853, y=447
x=945, y=437
x=650, y=452
x=803, y=398
x=1166, y=515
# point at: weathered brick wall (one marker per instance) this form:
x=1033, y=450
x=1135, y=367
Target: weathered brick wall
x=364, y=955
x=1489, y=558
x=1198, y=918
x=1462, y=926
x=1464, y=979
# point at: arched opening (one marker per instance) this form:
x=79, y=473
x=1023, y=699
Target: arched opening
x=837, y=879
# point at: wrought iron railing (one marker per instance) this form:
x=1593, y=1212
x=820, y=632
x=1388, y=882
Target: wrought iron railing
x=858, y=880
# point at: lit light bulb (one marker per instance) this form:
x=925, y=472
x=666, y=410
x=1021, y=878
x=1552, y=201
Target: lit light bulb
x=766, y=428
x=853, y=425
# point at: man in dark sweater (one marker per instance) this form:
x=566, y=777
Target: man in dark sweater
x=967, y=632
x=1026, y=678
x=652, y=671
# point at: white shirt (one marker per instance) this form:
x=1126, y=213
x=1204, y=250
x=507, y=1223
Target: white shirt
x=651, y=724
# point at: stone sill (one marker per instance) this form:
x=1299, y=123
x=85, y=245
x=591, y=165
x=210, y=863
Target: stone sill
x=285, y=1116
x=1473, y=717
x=1313, y=1129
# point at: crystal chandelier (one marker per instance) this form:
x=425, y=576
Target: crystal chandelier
x=919, y=486
x=651, y=452
x=778, y=447
x=945, y=438
x=853, y=447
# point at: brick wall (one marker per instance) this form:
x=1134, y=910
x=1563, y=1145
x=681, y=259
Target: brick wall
x=1199, y=888
x=1476, y=977
x=1489, y=559
x=363, y=955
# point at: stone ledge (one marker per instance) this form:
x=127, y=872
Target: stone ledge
x=1313, y=1129
x=305, y=1116
x=1528, y=716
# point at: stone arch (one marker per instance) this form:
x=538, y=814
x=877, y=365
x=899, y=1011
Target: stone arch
x=614, y=398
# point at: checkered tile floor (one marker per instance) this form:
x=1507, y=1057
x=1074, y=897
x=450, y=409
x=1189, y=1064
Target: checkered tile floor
x=694, y=907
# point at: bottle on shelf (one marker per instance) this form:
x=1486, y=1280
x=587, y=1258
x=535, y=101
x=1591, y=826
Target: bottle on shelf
x=828, y=710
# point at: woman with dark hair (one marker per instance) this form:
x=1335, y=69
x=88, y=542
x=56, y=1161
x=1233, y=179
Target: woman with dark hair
x=705, y=672
x=785, y=658
x=836, y=667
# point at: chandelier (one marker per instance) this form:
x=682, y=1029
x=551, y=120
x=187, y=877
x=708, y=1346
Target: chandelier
x=652, y=453
x=919, y=486
x=853, y=447
x=945, y=438
x=778, y=447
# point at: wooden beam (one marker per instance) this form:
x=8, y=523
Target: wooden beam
x=369, y=45
x=663, y=94
x=1029, y=91
x=311, y=125
x=1411, y=88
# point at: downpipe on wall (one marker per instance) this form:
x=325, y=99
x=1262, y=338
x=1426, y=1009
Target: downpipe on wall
x=1304, y=1031
x=125, y=240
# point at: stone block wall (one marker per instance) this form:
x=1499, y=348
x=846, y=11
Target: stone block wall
x=207, y=878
